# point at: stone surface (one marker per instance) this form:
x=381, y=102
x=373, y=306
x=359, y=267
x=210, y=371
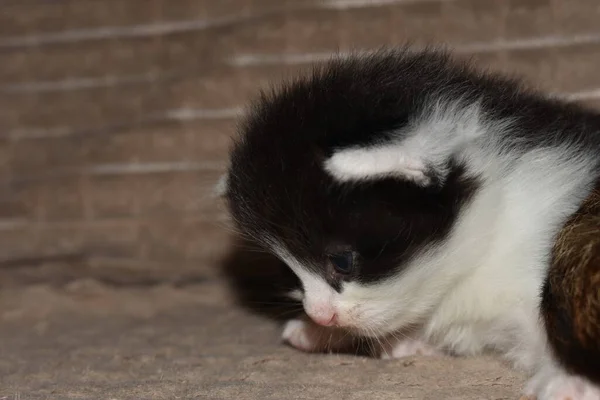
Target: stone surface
x=89, y=341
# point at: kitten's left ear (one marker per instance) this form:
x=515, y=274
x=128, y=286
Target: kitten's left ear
x=220, y=188
x=385, y=161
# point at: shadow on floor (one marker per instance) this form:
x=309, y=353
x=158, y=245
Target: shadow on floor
x=260, y=281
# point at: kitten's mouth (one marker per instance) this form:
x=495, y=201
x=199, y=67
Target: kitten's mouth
x=334, y=323
x=366, y=330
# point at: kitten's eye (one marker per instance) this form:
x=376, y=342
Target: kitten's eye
x=343, y=262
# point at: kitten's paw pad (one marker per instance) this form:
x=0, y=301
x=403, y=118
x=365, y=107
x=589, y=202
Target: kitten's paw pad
x=561, y=387
x=407, y=348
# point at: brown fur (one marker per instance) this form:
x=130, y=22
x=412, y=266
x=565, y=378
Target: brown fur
x=571, y=296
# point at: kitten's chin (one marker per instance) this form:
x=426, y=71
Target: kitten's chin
x=369, y=331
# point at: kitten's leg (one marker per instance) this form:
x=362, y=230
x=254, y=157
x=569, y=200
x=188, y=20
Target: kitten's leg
x=405, y=347
x=307, y=336
x=552, y=383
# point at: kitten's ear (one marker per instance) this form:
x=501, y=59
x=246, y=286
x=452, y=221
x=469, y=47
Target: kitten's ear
x=220, y=188
x=384, y=161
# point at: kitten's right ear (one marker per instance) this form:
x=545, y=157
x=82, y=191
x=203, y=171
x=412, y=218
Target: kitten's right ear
x=220, y=188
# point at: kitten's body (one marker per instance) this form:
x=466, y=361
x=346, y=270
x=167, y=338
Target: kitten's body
x=445, y=186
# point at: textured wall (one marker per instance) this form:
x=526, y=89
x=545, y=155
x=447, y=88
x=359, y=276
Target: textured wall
x=115, y=115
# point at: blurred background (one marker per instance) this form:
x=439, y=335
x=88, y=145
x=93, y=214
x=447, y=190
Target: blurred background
x=115, y=122
x=115, y=115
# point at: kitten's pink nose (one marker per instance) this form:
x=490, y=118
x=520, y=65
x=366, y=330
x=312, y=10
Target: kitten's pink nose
x=324, y=317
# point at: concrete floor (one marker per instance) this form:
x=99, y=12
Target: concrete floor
x=89, y=341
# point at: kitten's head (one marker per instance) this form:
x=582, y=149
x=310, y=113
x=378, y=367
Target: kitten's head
x=349, y=241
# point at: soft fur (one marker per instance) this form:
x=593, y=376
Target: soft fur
x=447, y=185
x=571, y=295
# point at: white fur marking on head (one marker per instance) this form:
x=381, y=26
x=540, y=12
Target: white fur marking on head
x=417, y=153
x=376, y=162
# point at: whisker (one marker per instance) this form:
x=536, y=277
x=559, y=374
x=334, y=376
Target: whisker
x=279, y=303
x=370, y=341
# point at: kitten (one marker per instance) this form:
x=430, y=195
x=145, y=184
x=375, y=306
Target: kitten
x=417, y=200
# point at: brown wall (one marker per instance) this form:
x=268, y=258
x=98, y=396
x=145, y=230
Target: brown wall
x=115, y=115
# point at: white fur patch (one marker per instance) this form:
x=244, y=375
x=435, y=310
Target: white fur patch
x=376, y=163
x=300, y=334
x=551, y=383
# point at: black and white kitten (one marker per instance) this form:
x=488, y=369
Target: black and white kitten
x=417, y=200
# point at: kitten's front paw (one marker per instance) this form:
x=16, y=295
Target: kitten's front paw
x=307, y=336
x=400, y=348
x=553, y=384
x=301, y=335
